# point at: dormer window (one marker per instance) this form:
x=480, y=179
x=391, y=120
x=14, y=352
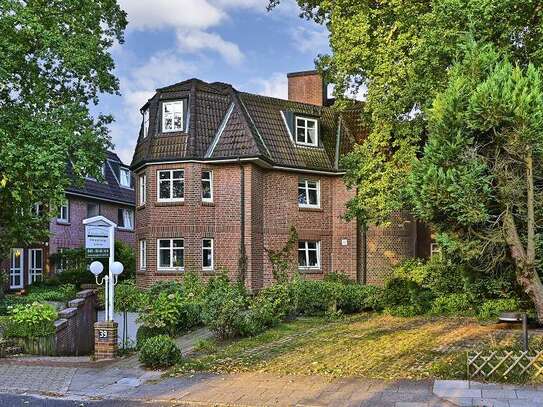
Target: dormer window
x=172, y=116
x=307, y=131
x=145, y=123
x=125, y=177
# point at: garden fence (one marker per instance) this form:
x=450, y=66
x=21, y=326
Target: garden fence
x=504, y=364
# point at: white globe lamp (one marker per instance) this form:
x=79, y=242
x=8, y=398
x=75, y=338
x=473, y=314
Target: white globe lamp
x=96, y=268
x=117, y=268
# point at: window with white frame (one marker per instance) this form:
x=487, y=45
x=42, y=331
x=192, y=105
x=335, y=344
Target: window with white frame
x=309, y=193
x=171, y=254
x=125, y=218
x=64, y=211
x=207, y=254
x=171, y=185
x=124, y=177
x=143, y=254
x=145, y=123
x=309, y=254
x=143, y=189
x=172, y=116
x=207, y=186
x=307, y=131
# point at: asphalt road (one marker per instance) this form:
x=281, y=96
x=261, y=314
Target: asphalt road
x=9, y=400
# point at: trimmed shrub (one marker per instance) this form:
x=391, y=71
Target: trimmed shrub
x=31, y=320
x=159, y=352
x=62, y=293
x=224, y=308
x=145, y=332
x=492, y=309
x=401, y=292
x=317, y=297
x=452, y=304
x=356, y=298
x=338, y=277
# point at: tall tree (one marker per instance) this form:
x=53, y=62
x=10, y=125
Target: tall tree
x=480, y=175
x=400, y=51
x=54, y=62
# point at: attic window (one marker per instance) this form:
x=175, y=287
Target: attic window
x=145, y=123
x=172, y=116
x=307, y=131
x=125, y=177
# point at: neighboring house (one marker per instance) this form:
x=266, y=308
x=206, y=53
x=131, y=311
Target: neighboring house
x=222, y=175
x=113, y=198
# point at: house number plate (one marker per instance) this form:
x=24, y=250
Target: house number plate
x=102, y=335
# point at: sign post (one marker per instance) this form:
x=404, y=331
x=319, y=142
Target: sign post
x=100, y=243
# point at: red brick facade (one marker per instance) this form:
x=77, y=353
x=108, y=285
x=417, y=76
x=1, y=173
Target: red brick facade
x=70, y=235
x=270, y=209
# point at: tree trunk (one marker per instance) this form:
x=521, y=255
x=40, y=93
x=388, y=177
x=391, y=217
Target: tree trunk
x=524, y=258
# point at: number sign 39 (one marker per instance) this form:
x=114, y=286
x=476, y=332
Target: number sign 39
x=102, y=334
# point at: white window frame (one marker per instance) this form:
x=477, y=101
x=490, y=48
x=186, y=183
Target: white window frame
x=127, y=177
x=435, y=250
x=132, y=219
x=145, y=123
x=61, y=217
x=143, y=254
x=142, y=182
x=16, y=272
x=208, y=268
x=170, y=180
x=93, y=203
x=35, y=274
x=170, y=248
x=306, y=250
x=36, y=209
x=210, y=180
x=306, y=121
x=307, y=188
x=173, y=102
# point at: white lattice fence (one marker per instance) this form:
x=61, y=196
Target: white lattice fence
x=504, y=363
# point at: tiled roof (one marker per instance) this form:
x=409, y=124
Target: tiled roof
x=109, y=189
x=222, y=123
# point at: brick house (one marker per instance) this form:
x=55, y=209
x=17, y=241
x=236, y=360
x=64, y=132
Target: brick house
x=113, y=198
x=222, y=175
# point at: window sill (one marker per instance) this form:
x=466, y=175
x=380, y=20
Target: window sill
x=170, y=203
x=310, y=270
x=63, y=222
x=310, y=208
x=140, y=207
x=208, y=203
x=125, y=229
x=170, y=271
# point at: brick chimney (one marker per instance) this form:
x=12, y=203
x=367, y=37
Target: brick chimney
x=307, y=87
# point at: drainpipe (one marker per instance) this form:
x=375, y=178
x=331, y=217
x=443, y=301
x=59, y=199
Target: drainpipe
x=242, y=262
x=362, y=254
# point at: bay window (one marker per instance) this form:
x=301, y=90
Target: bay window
x=171, y=185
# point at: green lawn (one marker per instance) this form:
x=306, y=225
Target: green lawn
x=365, y=345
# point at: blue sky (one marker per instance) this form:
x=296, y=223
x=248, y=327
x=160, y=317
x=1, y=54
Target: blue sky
x=233, y=41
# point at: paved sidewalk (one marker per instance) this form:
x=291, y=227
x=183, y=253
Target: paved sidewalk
x=470, y=393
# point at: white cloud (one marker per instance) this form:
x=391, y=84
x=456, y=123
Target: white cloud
x=311, y=40
x=161, y=14
x=275, y=86
x=252, y=4
x=196, y=41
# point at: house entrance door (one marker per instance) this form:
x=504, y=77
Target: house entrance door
x=16, y=269
x=35, y=265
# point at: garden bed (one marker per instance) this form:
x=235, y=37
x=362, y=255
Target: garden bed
x=367, y=345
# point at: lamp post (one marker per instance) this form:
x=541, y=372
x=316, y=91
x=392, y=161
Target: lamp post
x=109, y=282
